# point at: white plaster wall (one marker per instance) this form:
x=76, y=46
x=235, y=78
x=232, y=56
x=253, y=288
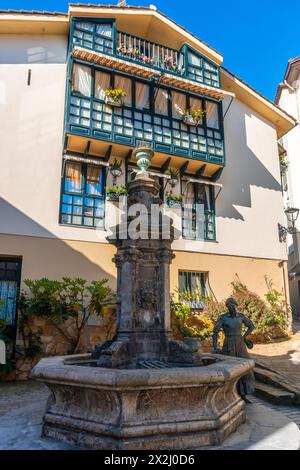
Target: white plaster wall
x=32, y=49
x=250, y=204
x=248, y=208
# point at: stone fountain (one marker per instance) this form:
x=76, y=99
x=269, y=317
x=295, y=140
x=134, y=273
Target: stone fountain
x=143, y=390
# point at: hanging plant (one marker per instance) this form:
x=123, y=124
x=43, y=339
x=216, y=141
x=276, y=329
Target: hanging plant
x=114, y=96
x=174, y=173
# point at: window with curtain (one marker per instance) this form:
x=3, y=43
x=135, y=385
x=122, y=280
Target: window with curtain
x=142, y=96
x=126, y=85
x=194, y=283
x=82, y=198
x=82, y=79
x=162, y=102
x=212, y=115
x=103, y=38
x=102, y=83
x=73, y=177
x=178, y=104
x=198, y=224
x=195, y=67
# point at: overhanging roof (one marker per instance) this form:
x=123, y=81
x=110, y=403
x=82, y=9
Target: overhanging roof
x=281, y=120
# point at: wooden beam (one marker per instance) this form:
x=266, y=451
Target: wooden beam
x=201, y=171
x=166, y=165
x=215, y=176
x=183, y=168
x=128, y=156
x=108, y=154
x=87, y=148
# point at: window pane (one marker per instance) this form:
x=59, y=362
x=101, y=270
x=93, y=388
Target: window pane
x=125, y=85
x=94, y=180
x=73, y=177
x=212, y=116
x=102, y=83
x=161, y=102
x=194, y=59
x=82, y=79
x=178, y=104
x=142, y=96
x=104, y=29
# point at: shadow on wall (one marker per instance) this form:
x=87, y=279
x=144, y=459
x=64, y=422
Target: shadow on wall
x=243, y=168
x=49, y=256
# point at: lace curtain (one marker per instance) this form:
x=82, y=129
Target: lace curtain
x=82, y=79
x=102, y=83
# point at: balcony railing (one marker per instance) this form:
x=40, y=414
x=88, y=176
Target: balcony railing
x=94, y=118
x=186, y=62
x=150, y=53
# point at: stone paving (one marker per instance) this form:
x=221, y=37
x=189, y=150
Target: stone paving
x=22, y=406
x=283, y=356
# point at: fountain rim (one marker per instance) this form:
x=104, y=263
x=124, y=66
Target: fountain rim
x=57, y=370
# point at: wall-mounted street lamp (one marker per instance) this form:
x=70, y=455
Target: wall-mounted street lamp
x=292, y=215
x=116, y=170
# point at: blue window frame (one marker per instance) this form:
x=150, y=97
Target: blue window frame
x=202, y=70
x=82, y=201
x=95, y=35
x=201, y=195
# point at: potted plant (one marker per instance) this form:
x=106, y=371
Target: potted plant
x=115, y=192
x=174, y=200
x=174, y=173
x=193, y=117
x=114, y=96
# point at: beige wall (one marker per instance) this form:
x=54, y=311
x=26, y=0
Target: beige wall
x=53, y=258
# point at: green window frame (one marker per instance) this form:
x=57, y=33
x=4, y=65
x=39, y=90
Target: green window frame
x=83, y=196
x=94, y=34
x=201, y=194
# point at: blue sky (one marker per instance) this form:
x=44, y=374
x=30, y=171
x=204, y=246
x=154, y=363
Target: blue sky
x=256, y=37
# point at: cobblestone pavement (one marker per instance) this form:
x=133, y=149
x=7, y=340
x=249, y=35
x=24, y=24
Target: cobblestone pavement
x=283, y=356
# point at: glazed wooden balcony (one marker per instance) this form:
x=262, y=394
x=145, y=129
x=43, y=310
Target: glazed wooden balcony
x=94, y=119
x=102, y=37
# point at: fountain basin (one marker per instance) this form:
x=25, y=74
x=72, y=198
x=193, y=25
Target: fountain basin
x=132, y=409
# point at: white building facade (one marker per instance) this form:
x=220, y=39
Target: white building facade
x=58, y=138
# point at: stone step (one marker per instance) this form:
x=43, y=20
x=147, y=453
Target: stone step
x=276, y=395
x=276, y=379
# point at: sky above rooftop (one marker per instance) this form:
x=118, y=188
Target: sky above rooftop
x=256, y=37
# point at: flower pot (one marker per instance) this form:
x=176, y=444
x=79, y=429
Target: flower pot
x=189, y=120
x=117, y=103
x=113, y=197
x=172, y=203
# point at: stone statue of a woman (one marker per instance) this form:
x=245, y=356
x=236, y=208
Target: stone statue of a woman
x=231, y=322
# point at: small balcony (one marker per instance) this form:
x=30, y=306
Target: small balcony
x=102, y=37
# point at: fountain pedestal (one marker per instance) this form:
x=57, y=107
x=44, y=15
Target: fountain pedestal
x=147, y=390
